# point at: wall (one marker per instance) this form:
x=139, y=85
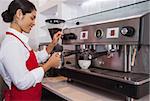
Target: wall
x=3, y=26
x=43, y=34
x=33, y=36
x=70, y=11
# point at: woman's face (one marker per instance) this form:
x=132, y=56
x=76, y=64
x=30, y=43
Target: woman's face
x=27, y=21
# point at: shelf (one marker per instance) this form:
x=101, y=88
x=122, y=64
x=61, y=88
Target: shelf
x=131, y=10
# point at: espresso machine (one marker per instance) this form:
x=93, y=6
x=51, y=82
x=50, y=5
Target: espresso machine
x=119, y=54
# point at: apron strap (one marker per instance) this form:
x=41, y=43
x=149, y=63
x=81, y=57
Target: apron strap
x=9, y=33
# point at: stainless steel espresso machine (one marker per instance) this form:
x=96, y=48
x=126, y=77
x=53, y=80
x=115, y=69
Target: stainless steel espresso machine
x=119, y=52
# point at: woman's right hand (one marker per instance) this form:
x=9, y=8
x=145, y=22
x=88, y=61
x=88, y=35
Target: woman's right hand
x=53, y=62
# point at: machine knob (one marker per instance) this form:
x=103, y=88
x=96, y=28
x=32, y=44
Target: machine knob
x=69, y=36
x=99, y=33
x=127, y=31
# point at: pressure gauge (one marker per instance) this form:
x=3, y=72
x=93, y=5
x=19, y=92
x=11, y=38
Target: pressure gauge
x=127, y=31
x=99, y=33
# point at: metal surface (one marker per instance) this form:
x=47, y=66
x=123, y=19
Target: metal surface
x=129, y=78
x=92, y=29
x=145, y=29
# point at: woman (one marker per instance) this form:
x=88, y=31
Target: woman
x=20, y=63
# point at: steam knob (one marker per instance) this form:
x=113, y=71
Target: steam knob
x=127, y=31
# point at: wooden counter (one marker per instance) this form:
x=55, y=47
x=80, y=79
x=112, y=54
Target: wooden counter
x=79, y=92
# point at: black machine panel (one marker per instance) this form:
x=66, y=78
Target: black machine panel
x=119, y=83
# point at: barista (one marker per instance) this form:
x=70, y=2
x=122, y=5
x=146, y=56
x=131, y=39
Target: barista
x=20, y=68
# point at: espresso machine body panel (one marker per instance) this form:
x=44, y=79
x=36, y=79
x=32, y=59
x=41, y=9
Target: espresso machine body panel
x=143, y=53
x=142, y=60
x=107, y=29
x=145, y=30
x=107, y=62
x=103, y=36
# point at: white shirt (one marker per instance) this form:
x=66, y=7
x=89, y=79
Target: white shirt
x=13, y=57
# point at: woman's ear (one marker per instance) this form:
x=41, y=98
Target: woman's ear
x=19, y=14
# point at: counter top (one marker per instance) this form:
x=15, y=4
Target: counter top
x=76, y=92
x=73, y=91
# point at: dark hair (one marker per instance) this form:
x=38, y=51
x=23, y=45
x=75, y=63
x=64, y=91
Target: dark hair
x=25, y=5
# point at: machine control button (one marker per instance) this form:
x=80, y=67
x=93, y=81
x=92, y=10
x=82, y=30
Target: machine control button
x=127, y=31
x=112, y=33
x=84, y=35
x=99, y=33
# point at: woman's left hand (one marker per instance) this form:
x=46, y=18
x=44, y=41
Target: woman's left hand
x=56, y=38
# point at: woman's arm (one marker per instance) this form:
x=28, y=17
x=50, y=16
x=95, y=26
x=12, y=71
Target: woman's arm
x=43, y=55
x=54, y=42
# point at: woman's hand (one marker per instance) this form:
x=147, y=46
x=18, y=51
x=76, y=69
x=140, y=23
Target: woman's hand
x=54, y=42
x=56, y=38
x=53, y=62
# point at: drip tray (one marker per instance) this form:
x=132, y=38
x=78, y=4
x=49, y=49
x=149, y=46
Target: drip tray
x=136, y=77
x=133, y=85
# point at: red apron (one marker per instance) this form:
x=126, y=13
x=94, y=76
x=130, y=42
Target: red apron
x=31, y=94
